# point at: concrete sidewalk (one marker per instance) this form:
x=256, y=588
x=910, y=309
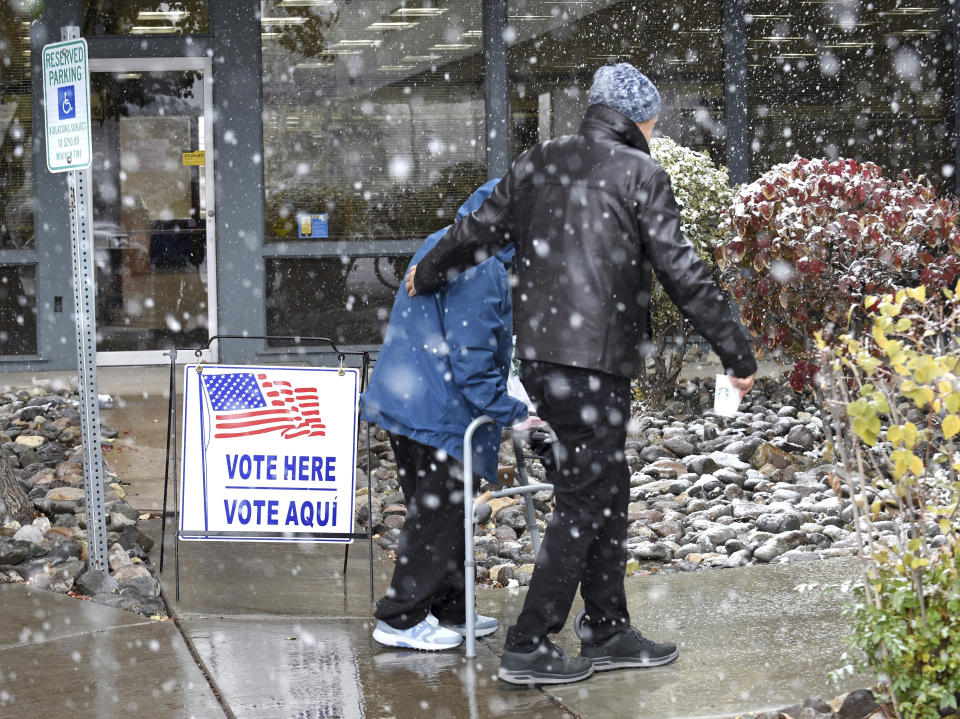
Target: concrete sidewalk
x=265, y=630
x=280, y=632
x=60, y=656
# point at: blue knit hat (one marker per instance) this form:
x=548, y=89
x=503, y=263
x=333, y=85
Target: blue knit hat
x=623, y=87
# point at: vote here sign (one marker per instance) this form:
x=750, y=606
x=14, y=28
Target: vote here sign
x=66, y=105
x=269, y=453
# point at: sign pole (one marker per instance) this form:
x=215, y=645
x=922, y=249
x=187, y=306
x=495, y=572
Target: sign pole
x=84, y=291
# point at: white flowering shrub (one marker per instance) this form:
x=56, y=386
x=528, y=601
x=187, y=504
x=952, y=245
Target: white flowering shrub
x=703, y=193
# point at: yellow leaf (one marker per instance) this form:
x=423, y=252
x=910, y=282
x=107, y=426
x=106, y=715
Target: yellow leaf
x=952, y=401
x=881, y=405
x=879, y=337
x=894, y=351
x=951, y=425
x=920, y=395
x=899, y=464
x=860, y=429
x=918, y=293
x=944, y=526
x=925, y=369
x=895, y=434
x=910, y=434
x=916, y=465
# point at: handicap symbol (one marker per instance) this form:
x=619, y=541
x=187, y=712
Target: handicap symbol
x=67, y=99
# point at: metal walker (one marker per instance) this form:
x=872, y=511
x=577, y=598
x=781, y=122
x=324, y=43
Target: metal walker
x=523, y=488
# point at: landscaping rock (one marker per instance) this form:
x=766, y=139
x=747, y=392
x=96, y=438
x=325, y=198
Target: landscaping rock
x=96, y=582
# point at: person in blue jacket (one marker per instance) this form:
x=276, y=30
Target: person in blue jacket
x=443, y=363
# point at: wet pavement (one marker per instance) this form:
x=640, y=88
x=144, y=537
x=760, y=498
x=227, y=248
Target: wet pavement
x=749, y=641
x=264, y=630
x=60, y=656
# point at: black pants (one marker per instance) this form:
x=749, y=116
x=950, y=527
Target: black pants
x=428, y=576
x=585, y=540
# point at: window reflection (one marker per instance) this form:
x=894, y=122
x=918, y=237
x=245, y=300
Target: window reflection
x=149, y=229
x=345, y=299
x=864, y=80
x=373, y=116
x=557, y=46
x=16, y=133
x=145, y=17
x=18, y=310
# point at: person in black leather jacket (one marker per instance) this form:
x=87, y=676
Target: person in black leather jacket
x=591, y=215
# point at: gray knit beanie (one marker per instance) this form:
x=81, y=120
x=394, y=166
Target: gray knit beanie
x=623, y=87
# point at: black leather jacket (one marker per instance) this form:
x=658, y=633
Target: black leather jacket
x=590, y=215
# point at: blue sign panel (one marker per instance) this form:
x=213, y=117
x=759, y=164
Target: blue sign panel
x=312, y=226
x=66, y=102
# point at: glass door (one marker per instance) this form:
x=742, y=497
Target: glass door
x=153, y=207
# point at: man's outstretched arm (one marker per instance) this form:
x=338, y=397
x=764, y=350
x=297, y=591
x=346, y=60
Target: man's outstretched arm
x=470, y=241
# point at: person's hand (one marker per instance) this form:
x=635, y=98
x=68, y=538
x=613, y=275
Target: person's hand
x=408, y=282
x=744, y=384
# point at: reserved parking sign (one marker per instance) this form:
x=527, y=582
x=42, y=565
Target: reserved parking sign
x=269, y=453
x=66, y=106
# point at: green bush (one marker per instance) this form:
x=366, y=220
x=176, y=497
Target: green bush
x=894, y=398
x=703, y=192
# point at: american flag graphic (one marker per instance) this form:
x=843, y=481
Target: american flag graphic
x=245, y=404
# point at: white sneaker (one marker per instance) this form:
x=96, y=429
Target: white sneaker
x=482, y=625
x=425, y=635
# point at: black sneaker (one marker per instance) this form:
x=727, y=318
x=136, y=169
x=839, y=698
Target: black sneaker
x=547, y=664
x=627, y=649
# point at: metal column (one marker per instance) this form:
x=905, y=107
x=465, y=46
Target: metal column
x=84, y=293
x=735, y=90
x=496, y=92
x=953, y=19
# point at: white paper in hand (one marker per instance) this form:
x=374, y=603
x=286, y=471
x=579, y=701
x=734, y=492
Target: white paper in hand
x=726, y=398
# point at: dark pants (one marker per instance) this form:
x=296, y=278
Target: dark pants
x=585, y=540
x=428, y=576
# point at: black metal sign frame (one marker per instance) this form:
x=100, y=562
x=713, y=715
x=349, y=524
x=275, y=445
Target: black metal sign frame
x=172, y=442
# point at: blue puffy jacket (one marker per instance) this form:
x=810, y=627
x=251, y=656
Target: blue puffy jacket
x=445, y=358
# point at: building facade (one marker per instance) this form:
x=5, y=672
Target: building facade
x=268, y=167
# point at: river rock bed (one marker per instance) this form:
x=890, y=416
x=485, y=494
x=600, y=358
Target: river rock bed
x=859, y=704
x=40, y=435
x=705, y=491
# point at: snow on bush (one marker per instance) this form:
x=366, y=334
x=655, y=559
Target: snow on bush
x=810, y=239
x=703, y=193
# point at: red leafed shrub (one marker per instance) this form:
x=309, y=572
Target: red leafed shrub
x=810, y=239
